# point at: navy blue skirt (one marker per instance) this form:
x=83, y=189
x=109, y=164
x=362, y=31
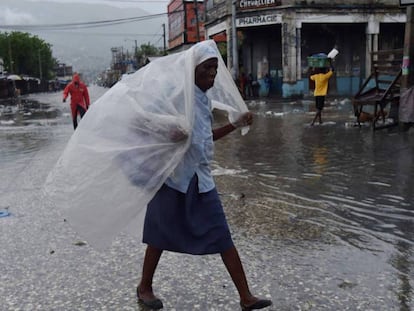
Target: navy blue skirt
x=191, y=223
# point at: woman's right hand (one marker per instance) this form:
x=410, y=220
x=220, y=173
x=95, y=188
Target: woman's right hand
x=177, y=134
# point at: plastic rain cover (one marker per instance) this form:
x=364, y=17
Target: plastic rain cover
x=121, y=152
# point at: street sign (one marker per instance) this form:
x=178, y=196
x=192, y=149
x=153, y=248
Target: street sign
x=406, y=2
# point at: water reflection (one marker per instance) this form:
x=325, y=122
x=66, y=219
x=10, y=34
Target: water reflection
x=334, y=183
x=23, y=112
x=357, y=181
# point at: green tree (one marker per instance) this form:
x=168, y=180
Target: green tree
x=146, y=50
x=26, y=54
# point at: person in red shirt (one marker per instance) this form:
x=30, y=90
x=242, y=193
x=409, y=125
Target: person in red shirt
x=79, y=98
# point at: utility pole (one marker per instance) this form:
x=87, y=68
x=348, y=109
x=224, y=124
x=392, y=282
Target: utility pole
x=40, y=65
x=196, y=15
x=406, y=109
x=408, y=59
x=163, y=35
x=235, y=55
x=136, y=54
x=10, y=54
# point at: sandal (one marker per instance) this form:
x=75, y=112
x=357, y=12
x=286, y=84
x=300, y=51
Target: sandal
x=259, y=304
x=154, y=304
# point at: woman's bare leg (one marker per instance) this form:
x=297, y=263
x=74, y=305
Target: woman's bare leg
x=151, y=259
x=234, y=266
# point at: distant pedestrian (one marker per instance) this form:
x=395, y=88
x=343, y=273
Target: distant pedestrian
x=268, y=83
x=79, y=98
x=321, y=78
x=56, y=85
x=243, y=84
x=249, y=85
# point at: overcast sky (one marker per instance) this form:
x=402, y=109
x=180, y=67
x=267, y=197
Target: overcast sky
x=12, y=14
x=152, y=6
x=85, y=47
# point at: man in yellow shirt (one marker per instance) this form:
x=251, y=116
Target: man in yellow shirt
x=321, y=78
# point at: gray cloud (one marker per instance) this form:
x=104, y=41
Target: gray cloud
x=10, y=16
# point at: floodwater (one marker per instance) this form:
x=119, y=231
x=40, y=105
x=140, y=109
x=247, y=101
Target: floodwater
x=322, y=216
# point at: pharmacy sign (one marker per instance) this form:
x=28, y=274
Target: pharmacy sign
x=406, y=2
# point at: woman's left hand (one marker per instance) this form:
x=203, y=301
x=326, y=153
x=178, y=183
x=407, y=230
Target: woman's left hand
x=245, y=119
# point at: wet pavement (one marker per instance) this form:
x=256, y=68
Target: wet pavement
x=322, y=217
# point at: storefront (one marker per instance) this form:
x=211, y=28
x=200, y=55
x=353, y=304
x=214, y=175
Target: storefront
x=259, y=40
x=275, y=40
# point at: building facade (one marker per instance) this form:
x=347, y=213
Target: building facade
x=275, y=37
x=185, y=24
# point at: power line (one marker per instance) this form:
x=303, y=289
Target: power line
x=82, y=25
x=101, y=34
x=159, y=35
x=159, y=39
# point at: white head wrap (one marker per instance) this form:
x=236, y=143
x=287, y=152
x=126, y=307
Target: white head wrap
x=121, y=152
x=204, y=51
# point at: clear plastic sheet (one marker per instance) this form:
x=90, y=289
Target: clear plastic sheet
x=124, y=147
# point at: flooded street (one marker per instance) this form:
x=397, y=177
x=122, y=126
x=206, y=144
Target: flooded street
x=322, y=217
